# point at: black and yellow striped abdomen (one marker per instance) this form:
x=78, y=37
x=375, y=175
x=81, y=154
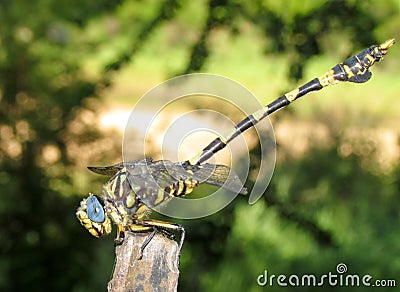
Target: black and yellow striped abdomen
x=179, y=188
x=354, y=69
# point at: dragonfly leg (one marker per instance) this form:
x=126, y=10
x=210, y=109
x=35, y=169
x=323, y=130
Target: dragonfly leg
x=154, y=226
x=166, y=228
x=120, y=235
x=146, y=243
x=135, y=228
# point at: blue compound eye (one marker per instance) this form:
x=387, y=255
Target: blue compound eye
x=95, y=210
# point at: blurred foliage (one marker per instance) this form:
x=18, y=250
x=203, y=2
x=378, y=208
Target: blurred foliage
x=319, y=211
x=46, y=106
x=58, y=57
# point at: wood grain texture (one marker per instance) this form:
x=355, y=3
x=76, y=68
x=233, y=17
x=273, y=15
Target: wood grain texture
x=157, y=270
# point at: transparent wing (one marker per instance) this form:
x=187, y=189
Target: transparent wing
x=113, y=169
x=217, y=175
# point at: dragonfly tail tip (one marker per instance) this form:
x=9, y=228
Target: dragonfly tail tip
x=387, y=44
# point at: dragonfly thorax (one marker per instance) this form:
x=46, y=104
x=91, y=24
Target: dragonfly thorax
x=118, y=190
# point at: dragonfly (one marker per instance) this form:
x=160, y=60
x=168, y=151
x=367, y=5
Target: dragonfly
x=137, y=185
x=140, y=185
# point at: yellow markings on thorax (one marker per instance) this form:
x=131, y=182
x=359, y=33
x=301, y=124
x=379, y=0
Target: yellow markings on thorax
x=119, y=188
x=116, y=186
x=108, y=189
x=142, y=212
x=130, y=200
x=160, y=196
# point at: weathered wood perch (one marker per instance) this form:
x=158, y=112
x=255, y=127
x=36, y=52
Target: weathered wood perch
x=157, y=270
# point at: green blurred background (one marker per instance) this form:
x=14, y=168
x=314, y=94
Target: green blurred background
x=334, y=196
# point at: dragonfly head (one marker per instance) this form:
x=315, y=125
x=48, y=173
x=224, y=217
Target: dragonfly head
x=91, y=213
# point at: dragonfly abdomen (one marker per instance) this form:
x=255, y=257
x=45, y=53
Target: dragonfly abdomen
x=178, y=188
x=354, y=69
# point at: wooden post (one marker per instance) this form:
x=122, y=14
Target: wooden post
x=157, y=270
